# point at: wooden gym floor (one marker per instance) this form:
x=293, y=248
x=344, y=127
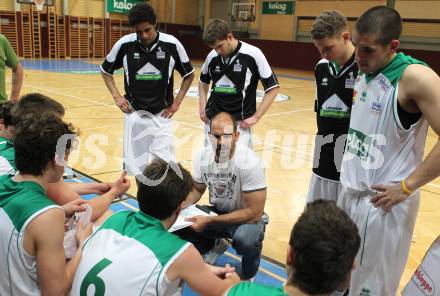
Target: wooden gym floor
x=283, y=138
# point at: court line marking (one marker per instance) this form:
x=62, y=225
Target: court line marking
x=292, y=150
x=287, y=112
x=275, y=190
x=188, y=124
x=263, y=270
x=128, y=205
x=102, y=126
x=83, y=106
x=71, y=96
x=108, y=172
x=76, y=88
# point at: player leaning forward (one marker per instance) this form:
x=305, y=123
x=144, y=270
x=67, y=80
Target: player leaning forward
x=395, y=98
x=234, y=67
x=149, y=58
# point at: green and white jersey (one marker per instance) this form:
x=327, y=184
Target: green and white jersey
x=252, y=289
x=7, y=157
x=5, y=167
x=20, y=203
x=129, y=255
x=379, y=150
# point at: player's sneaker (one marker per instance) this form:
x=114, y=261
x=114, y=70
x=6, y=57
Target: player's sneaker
x=220, y=246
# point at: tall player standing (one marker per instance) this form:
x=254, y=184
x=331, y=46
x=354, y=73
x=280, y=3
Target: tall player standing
x=335, y=76
x=149, y=58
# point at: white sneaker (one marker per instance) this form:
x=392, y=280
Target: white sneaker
x=220, y=246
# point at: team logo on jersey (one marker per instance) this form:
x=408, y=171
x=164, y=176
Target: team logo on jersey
x=237, y=66
x=334, y=107
x=136, y=56
x=423, y=282
x=363, y=97
x=217, y=69
x=358, y=143
x=384, y=83
x=148, y=72
x=160, y=54
x=324, y=81
x=225, y=86
x=349, y=82
x=376, y=106
x=365, y=292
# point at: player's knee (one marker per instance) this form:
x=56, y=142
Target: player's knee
x=247, y=241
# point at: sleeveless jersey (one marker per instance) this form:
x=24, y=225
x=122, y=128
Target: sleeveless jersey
x=426, y=278
x=20, y=203
x=252, y=289
x=334, y=96
x=128, y=255
x=379, y=149
x=7, y=151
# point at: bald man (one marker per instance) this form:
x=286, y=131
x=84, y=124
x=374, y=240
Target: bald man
x=234, y=176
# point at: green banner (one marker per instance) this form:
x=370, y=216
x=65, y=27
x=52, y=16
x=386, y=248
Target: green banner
x=278, y=7
x=121, y=6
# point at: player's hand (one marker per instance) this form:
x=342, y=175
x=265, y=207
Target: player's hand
x=82, y=233
x=77, y=205
x=221, y=271
x=232, y=277
x=199, y=222
x=388, y=196
x=121, y=185
x=202, y=114
x=248, y=122
x=102, y=188
x=169, y=112
x=123, y=104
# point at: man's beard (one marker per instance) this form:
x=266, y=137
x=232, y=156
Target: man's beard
x=222, y=153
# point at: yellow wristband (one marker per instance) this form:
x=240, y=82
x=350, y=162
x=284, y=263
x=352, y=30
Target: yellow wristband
x=404, y=188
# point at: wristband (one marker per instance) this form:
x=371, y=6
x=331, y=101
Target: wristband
x=404, y=188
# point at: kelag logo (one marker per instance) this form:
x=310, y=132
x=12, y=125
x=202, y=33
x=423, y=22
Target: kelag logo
x=423, y=282
x=121, y=6
x=358, y=143
x=276, y=5
x=366, y=147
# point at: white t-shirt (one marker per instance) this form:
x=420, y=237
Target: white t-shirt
x=226, y=181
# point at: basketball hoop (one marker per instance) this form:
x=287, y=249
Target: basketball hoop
x=243, y=12
x=39, y=4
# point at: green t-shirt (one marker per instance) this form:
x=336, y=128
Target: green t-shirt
x=7, y=58
x=7, y=151
x=252, y=289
